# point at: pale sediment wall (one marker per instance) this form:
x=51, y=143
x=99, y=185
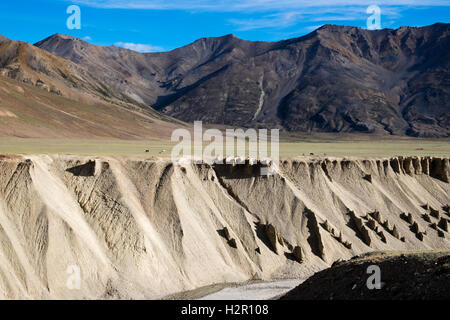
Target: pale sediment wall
x=149, y=228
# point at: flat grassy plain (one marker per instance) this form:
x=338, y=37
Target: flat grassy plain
x=367, y=148
x=288, y=147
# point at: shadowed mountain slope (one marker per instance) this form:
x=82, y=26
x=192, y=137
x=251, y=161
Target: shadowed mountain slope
x=335, y=79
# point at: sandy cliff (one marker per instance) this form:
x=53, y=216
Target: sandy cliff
x=149, y=228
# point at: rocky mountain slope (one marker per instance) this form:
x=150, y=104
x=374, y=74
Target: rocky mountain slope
x=27, y=111
x=149, y=228
x=50, y=96
x=335, y=79
x=29, y=64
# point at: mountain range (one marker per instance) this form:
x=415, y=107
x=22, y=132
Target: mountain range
x=336, y=79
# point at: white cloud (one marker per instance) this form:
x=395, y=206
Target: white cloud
x=284, y=19
x=275, y=14
x=139, y=47
x=248, y=5
x=279, y=20
x=87, y=38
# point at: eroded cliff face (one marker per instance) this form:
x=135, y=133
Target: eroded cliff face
x=149, y=228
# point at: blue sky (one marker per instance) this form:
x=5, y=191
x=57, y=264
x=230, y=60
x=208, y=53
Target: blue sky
x=160, y=25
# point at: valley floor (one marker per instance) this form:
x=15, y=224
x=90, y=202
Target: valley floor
x=247, y=290
x=255, y=291
x=289, y=147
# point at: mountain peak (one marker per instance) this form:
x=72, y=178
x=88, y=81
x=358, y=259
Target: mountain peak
x=226, y=37
x=63, y=36
x=57, y=37
x=336, y=27
x=230, y=35
x=3, y=38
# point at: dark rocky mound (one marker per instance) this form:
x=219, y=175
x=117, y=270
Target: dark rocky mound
x=404, y=276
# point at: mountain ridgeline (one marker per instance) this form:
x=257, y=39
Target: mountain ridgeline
x=336, y=79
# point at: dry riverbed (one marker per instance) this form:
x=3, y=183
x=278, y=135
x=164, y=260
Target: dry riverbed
x=253, y=290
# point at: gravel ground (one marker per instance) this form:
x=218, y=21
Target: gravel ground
x=255, y=291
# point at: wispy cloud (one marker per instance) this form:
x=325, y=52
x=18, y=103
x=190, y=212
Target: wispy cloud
x=275, y=14
x=278, y=20
x=350, y=13
x=139, y=47
x=247, y=5
x=284, y=19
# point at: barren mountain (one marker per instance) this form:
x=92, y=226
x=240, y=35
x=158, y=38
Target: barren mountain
x=335, y=79
x=29, y=64
x=30, y=112
x=50, y=96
